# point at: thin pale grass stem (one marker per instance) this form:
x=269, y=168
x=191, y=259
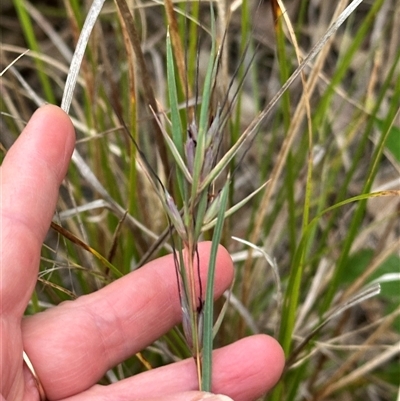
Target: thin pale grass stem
x=13, y=62
x=244, y=312
x=275, y=270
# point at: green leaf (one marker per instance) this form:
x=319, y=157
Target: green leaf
x=209, y=305
x=204, y=112
x=176, y=125
x=175, y=153
x=173, y=99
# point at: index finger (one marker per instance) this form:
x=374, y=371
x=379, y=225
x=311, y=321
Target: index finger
x=31, y=174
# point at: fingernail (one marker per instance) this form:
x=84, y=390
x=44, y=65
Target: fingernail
x=215, y=397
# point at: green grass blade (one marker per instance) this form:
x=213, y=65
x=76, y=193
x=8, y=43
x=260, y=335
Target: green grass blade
x=209, y=305
x=209, y=221
x=176, y=155
x=193, y=43
x=177, y=134
x=30, y=37
x=204, y=113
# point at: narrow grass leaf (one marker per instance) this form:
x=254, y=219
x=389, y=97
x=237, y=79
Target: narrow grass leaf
x=174, y=150
x=204, y=113
x=220, y=318
x=32, y=41
x=77, y=58
x=176, y=126
x=275, y=270
x=57, y=287
x=71, y=237
x=13, y=62
x=31, y=92
x=209, y=305
x=209, y=221
x=173, y=99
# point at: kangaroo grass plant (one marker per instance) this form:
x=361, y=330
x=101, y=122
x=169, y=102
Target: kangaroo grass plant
x=275, y=123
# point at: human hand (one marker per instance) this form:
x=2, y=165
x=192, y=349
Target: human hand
x=71, y=346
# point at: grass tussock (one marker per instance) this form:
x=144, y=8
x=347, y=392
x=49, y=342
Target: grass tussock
x=276, y=126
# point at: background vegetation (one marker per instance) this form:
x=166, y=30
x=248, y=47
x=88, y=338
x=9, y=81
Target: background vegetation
x=326, y=226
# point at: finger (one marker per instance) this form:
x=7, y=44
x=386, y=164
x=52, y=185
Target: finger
x=243, y=371
x=190, y=396
x=30, y=177
x=73, y=345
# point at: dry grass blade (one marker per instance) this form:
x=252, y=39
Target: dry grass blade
x=45, y=282
x=243, y=312
x=210, y=221
x=77, y=58
x=275, y=270
x=13, y=62
x=66, y=234
x=32, y=94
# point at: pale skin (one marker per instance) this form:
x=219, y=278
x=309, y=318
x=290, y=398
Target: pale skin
x=71, y=346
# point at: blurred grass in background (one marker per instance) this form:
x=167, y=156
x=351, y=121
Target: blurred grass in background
x=324, y=234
